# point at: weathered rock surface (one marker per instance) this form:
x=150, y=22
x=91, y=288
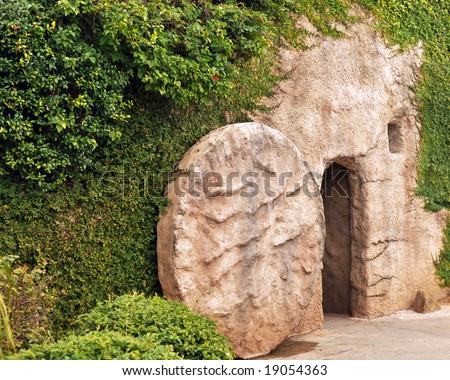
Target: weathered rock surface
x=250, y=262
x=424, y=303
x=242, y=242
x=349, y=101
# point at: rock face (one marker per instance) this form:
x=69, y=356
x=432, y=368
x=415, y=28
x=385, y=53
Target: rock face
x=253, y=259
x=243, y=238
x=349, y=102
x=424, y=303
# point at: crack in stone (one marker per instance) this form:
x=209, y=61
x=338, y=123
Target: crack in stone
x=217, y=279
x=381, y=279
x=294, y=192
x=300, y=233
x=371, y=244
x=387, y=241
x=366, y=259
x=375, y=146
x=365, y=294
x=375, y=295
x=290, y=238
x=376, y=181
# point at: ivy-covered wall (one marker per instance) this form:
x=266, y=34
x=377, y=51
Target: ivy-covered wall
x=100, y=99
x=406, y=22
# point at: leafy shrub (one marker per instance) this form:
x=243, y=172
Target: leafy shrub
x=24, y=302
x=98, y=345
x=140, y=328
x=180, y=49
x=65, y=67
x=190, y=51
x=94, y=246
x=61, y=97
x=192, y=335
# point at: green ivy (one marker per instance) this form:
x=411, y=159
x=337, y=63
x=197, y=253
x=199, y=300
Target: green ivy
x=442, y=263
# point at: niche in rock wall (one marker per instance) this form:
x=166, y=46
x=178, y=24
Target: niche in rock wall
x=395, y=137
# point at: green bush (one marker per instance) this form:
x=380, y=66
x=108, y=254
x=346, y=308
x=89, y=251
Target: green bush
x=99, y=345
x=66, y=66
x=25, y=301
x=140, y=328
x=192, y=335
x=60, y=97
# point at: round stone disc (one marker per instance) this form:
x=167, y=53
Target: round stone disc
x=242, y=239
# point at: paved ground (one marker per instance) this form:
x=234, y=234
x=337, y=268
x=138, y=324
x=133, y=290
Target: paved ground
x=404, y=335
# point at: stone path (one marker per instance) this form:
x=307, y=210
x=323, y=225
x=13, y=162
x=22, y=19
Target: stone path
x=404, y=335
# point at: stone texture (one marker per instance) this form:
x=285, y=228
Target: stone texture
x=424, y=303
x=258, y=270
x=249, y=259
x=313, y=315
x=349, y=101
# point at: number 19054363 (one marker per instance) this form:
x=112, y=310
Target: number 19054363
x=292, y=370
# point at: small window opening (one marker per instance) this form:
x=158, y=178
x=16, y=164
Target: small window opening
x=395, y=138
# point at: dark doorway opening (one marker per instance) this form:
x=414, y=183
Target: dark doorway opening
x=337, y=262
